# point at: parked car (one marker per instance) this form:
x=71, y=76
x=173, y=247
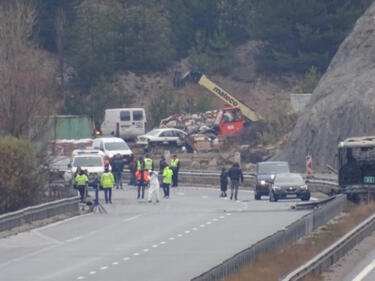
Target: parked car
x=93, y=163
x=111, y=146
x=265, y=173
x=289, y=185
x=165, y=136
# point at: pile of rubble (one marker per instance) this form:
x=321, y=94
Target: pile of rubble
x=191, y=123
x=199, y=126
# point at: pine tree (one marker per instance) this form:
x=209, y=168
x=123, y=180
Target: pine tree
x=145, y=38
x=301, y=34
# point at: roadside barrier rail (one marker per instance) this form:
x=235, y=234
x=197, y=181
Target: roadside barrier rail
x=291, y=233
x=332, y=254
x=18, y=218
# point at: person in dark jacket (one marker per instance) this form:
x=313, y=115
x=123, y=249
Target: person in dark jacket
x=162, y=164
x=117, y=165
x=223, y=182
x=235, y=175
x=132, y=168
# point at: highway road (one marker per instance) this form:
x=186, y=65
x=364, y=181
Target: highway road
x=177, y=239
x=364, y=270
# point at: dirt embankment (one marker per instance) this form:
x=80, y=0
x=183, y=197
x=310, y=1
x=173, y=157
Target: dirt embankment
x=265, y=93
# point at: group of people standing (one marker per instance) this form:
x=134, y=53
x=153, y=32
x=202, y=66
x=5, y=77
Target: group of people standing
x=235, y=175
x=143, y=174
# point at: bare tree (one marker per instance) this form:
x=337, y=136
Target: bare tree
x=27, y=75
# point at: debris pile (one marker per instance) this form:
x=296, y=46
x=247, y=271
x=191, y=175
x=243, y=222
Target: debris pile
x=191, y=123
x=202, y=137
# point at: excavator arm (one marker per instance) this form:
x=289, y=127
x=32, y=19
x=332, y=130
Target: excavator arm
x=201, y=79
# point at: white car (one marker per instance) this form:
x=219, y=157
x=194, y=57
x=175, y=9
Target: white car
x=93, y=163
x=111, y=146
x=163, y=136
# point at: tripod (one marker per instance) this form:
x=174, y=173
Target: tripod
x=97, y=207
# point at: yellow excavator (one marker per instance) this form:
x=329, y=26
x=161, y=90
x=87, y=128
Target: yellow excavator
x=230, y=119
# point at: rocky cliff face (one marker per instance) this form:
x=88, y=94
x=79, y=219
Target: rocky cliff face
x=343, y=104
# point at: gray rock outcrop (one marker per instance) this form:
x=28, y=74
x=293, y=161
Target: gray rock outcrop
x=343, y=104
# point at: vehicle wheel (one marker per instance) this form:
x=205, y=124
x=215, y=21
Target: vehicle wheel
x=257, y=196
x=273, y=197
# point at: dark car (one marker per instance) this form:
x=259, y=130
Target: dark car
x=265, y=173
x=289, y=185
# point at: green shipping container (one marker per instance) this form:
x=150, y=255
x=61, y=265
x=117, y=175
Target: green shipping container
x=70, y=127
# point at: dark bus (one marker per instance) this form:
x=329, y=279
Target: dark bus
x=356, y=166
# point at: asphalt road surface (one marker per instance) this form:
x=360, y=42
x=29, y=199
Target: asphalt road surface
x=364, y=270
x=176, y=239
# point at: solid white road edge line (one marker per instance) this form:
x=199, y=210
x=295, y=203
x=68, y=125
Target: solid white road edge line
x=365, y=271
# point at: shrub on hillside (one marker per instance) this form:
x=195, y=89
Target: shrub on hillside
x=19, y=172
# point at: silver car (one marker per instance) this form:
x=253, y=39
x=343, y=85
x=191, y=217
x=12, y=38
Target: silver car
x=163, y=136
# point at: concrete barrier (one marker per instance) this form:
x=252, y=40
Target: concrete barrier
x=290, y=234
x=35, y=213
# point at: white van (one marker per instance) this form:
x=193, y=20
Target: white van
x=127, y=123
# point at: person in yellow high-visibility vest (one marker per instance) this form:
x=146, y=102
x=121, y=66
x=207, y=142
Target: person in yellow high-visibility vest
x=107, y=181
x=167, y=180
x=148, y=163
x=175, y=166
x=140, y=164
x=81, y=181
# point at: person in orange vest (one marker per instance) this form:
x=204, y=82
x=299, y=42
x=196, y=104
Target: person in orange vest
x=142, y=178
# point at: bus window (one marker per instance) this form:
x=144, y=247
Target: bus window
x=137, y=115
x=124, y=116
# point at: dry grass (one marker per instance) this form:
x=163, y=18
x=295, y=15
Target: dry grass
x=272, y=266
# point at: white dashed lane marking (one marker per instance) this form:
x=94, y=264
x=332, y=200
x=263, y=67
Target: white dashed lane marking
x=156, y=245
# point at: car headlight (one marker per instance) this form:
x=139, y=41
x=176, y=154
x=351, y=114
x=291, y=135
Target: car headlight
x=272, y=177
x=304, y=187
x=262, y=182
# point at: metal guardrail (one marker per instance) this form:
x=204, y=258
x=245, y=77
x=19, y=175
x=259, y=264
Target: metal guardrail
x=313, y=204
x=290, y=234
x=332, y=254
x=18, y=218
